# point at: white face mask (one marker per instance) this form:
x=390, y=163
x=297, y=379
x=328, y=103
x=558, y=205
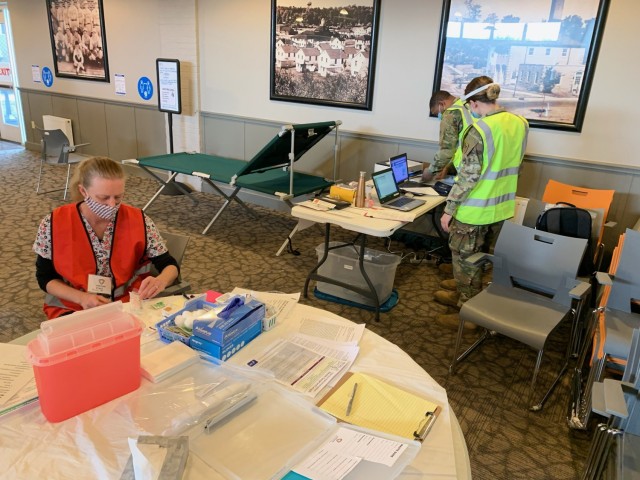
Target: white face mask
x=106, y=212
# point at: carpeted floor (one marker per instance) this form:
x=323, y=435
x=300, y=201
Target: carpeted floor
x=489, y=393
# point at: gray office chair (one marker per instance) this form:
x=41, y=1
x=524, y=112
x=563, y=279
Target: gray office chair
x=177, y=245
x=613, y=335
x=534, y=288
x=615, y=447
x=55, y=148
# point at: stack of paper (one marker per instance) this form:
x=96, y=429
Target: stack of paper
x=167, y=360
x=17, y=384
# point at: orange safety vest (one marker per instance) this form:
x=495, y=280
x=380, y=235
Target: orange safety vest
x=74, y=259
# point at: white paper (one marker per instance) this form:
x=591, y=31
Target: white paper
x=345, y=450
x=347, y=352
x=120, y=84
x=281, y=303
x=298, y=367
x=327, y=465
x=35, y=74
x=330, y=329
x=15, y=372
x=368, y=447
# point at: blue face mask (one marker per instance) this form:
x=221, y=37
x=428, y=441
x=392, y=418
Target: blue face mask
x=439, y=115
x=476, y=115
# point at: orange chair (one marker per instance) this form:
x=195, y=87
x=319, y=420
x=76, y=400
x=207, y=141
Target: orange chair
x=587, y=198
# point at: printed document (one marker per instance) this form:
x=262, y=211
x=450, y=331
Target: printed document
x=330, y=329
x=17, y=384
x=298, y=367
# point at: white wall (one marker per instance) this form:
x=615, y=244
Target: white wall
x=133, y=44
x=234, y=43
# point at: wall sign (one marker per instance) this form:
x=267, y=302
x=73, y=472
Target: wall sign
x=145, y=88
x=47, y=77
x=168, y=80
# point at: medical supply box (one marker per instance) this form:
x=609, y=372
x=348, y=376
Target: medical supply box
x=221, y=337
x=343, y=264
x=85, y=359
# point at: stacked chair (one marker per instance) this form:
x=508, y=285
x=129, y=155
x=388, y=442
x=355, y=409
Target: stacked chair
x=615, y=447
x=611, y=328
x=534, y=288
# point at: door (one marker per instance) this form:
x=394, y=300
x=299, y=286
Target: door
x=9, y=107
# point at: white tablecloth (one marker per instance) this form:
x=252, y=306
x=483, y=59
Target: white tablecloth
x=93, y=444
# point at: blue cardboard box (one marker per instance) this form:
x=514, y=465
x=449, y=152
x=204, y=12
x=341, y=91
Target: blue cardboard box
x=237, y=321
x=230, y=348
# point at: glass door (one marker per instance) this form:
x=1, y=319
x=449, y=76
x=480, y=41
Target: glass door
x=10, y=113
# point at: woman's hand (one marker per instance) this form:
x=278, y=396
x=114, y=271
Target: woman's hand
x=90, y=300
x=150, y=287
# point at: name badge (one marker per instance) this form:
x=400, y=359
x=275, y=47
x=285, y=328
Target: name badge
x=99, y=284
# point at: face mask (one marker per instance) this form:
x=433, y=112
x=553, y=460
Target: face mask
x=476, y=115
x=106, y=212
x=439, y=112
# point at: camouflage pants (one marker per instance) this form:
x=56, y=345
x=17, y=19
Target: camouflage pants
x=464, y=241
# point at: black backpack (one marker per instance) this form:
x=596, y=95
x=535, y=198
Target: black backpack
x=570, y=221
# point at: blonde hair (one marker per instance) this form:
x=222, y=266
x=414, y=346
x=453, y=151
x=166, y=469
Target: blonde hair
x=87, y=170
x=489, y=95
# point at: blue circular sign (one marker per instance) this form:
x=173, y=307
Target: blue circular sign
x=47, y=77
x=145, y=88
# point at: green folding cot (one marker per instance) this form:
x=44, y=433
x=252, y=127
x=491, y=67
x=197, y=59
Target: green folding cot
x=270, y=171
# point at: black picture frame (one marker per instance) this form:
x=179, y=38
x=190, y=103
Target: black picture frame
x=324, y=55
x=168, y=81
x=545, y=67
x=78, y=39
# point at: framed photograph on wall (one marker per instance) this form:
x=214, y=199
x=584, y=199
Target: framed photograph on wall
x=324, y=54
x=78, y=39
x=543, y=54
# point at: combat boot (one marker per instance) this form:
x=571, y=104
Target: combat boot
x=450, y=284
x=447, y=297
x=446, y=268
x=453, y=320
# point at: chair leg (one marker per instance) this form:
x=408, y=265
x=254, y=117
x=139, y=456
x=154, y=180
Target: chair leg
x=39, y=176
x=596, y=452
x=66, y=185
x=537, y=407
x=457, y=359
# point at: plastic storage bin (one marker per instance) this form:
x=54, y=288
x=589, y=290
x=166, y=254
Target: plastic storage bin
x=79, y=366
x=343, y=265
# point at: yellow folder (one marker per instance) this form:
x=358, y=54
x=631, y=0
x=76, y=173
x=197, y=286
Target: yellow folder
x=380, y=406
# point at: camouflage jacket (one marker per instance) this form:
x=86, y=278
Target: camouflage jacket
x=450, y=128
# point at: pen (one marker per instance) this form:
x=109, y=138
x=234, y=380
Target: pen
x=353, y=395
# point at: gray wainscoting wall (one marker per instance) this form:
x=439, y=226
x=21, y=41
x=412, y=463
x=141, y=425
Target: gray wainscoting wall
x=125, y=130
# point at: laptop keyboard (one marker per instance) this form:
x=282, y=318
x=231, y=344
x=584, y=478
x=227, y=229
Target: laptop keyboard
x=399, y=202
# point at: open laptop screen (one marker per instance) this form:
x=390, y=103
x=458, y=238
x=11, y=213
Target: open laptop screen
x=400, y=167
x=385, y=185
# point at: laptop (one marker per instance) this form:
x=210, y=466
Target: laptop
x=389, y=194
x=400, y=167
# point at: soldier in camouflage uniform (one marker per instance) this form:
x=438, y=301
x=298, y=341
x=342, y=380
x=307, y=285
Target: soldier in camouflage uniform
x=483, y=195
x=451, y=126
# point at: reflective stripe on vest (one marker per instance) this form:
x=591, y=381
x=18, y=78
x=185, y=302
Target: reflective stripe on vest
x=467, y=119
x=492, y=199
x=141, y=272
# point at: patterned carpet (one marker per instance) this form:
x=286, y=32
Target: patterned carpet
x=489, y=393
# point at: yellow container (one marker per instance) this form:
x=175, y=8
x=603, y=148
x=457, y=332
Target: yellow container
x=342, y=192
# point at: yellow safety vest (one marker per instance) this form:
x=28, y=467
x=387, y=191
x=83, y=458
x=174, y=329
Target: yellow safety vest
x=504, y=136
x=467, y=119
